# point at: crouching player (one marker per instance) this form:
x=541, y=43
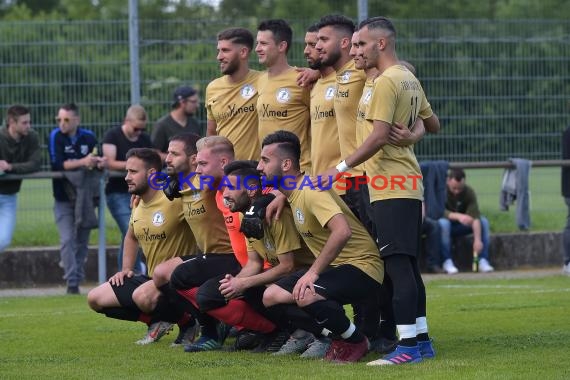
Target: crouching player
x=237, y=300
x=347, y=267
x=158, y=227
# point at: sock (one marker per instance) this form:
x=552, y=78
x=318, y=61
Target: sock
x=407, y=335
x=122, y=313
x=330, y=315
x=239, y=313
x=291, y=316
x=422, y=329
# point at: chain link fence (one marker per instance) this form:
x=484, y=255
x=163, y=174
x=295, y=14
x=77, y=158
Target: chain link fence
x=500, y=88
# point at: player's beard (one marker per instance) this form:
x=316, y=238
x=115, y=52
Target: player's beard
x=231, y=68
x=333, y=58
x=139, y=189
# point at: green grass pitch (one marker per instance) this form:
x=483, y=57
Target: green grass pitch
x=483, y=328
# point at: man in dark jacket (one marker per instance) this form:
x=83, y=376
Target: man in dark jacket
x=71, y=148
x=19, y=154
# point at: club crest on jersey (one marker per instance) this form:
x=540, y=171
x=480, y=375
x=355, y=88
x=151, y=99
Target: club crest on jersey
x=299, y=216
x=345, y=77
x=367, y=96
x=329, y=93
x=283, y=95
x=247, y=91
x=158, y=219
x=84, y=149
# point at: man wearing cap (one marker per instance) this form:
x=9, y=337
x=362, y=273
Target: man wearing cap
x=180, y=119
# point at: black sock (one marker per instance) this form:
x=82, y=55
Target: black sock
x=408, y=342
x=330, y=315
x=423, y=337
x=123, y=313
x=356, y=337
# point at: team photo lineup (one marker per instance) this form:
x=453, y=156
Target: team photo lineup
x=313, y=201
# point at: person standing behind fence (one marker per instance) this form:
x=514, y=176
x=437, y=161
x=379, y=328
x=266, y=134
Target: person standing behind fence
x=116, y=143
x=71, y=148
x=19, y=154
x=179, y=120
x=566, y=195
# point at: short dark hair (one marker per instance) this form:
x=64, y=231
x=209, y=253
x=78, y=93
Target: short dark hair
x=239, y=36
x=288, y=144
x=15, y=111
x=280, y=29
x=379, y=22
x=189, y=140
x=339, y=23
x=244, y=169
x=71, y=107
x=313, y=28
x=456, y=173
x=149, y=156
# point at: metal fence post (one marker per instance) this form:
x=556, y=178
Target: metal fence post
x=134, y=52
x=102, y=251
x=362, y=10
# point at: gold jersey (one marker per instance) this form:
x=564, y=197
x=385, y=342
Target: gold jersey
x=350, y=82
x=284, y=105
x=364, y=127
x=312, y=210
x=161, y=231
x=394, y=171
x=205, y=219
x=279, y=238
x=233, y=106
x=325, y=147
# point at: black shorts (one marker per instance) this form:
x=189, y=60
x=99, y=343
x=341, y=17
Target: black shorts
x=125, y=292
x=398, y=225
x=199, y=269
x=210, y=298
x=344, y=284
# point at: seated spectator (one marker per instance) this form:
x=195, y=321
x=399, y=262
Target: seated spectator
x=462, y=217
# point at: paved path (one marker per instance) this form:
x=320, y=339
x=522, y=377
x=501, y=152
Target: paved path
x=523, y=273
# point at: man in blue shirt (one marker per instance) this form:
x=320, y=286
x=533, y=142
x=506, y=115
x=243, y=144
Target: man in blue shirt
x=71, y=149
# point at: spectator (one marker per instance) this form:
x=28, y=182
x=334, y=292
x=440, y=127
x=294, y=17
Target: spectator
x=19, y=154
x=72, y=148
x=116, y=144
x=180, y=120
x=462, y=217
x=566, y=195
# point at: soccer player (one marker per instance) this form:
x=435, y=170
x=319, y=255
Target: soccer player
x=237, y=300
x=281, y=104
x=207, y=223
x=158, y=227
x=325, y=146
x=397, y=96
x=231, y=100
x=344, y=251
